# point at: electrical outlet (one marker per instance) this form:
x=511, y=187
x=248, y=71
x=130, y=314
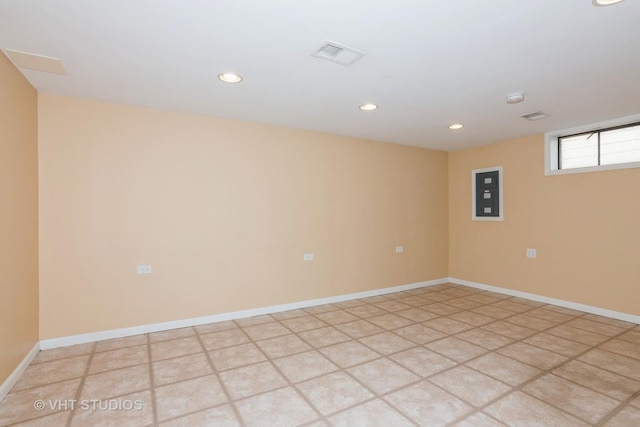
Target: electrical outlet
x=531, y=253
x=399, y=249
x=143, y=269
x=308, y=257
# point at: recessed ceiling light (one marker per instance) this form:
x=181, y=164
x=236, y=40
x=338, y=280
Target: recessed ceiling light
x=456, y=126
x=368, y=107
x=230, y=77
x=605, y=2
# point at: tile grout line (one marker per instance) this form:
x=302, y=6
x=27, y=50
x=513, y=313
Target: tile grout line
x=154, y=405
x=325, y=418
x=538, y=331
x=548, y=371
x=282, y=374
x=231, y=403
x=81, y=385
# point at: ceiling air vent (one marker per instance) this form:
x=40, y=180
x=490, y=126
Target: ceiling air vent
x=35, y=62
x=538, y=115
x=338, y=53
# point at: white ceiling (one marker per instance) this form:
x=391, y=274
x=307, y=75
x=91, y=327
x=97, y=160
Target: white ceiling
x=428, y=63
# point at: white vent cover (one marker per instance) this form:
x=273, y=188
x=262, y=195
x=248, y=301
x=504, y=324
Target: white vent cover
x=35, y=62
x=338, y=53
x=538, y=115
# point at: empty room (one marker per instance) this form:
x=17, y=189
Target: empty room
x=319, y=213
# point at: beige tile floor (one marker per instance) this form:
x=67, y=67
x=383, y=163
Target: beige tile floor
x=441, y=355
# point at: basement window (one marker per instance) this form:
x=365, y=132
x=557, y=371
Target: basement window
x=593, y=149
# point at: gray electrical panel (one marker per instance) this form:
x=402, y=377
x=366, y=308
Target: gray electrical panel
x=487, y=194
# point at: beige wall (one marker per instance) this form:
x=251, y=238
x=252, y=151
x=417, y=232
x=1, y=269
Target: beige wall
x=224, y=211
x=18, y=218
x=585, y=228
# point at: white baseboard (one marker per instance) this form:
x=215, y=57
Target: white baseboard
x=157, y=327
x=12, y=379
x=539, y=298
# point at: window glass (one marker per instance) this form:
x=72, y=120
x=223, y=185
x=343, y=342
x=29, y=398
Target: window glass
x=620, y=146
x=604, y=147
x=579, y=151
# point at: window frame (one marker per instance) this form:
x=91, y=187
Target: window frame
x=552, y=146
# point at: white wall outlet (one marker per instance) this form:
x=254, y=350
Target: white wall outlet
x=143, y=269
x=399, y=249
x=531, y=253
x=308, y=257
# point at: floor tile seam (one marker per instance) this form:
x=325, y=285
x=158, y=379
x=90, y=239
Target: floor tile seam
x=480, y=306
x=180, y=356
x=611, y=321
x=119, y=396
x=288, y=381
x=594, y=332
x=628, y=340
x=591, y=348
x=549, y=371
x=378, y=357
x=82, y=382
x=38, y=417
x=477, y=411
x=387, y=354
x=97, y=351
x=386, y=395
x=538, y=332
x=311, y=311
x=519, y=388
x=324, y=417
x=287, y=355
x=604, y=368
x=579, y=417
x=316, y=347
x=381, y=395
x=402, y=413
x=202, y=326
x=550, y=332
x=86, y=355
x=226, y=346
x=337, y=323
x=543, y=371
x=154, y=406
x=170, y=339
x=280, y=315
x=299, y=336
x=305, y=330
x=35, y=362
x=619, y=408
x=238, y=322
x=636, y=358
x=186, y=414
x=375, y=396
x=116, y=369
x=226, y=392
x=44, y=385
